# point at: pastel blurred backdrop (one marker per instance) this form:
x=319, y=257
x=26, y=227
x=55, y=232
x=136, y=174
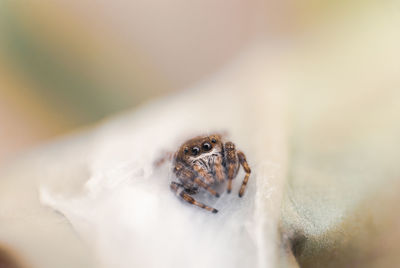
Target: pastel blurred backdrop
x=65, y=64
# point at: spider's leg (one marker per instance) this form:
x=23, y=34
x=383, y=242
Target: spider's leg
x=219, y=169
x=231, y=174
x=179, y=190
x=188, y=177
x=231, y=159
x=166, y=156
x=204, y=185
x=245, y=165
x=204, y=173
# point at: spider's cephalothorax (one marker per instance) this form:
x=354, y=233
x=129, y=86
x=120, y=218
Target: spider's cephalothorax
x=202, y=162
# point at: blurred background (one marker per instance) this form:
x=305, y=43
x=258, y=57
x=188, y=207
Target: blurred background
x=65, y=64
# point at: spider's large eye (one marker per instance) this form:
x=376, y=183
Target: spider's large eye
x=195, y=150
x=213, y=140
x=206, y=146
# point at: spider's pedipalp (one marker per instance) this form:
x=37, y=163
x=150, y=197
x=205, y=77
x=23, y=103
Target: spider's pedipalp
x=179, y=190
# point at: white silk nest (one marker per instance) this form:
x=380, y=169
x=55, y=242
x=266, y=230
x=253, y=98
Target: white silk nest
x=126, y=211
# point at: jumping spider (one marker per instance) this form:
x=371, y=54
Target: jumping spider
x=205, y=161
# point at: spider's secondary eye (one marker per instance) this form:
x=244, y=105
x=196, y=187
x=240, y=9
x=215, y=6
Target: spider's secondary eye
x=186, y=150
x=213, y=140
x=206, y=146
x=195, y=150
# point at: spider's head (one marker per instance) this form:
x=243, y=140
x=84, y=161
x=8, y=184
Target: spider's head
x=200, y=146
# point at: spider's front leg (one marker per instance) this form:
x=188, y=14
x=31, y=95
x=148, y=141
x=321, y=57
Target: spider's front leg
x=204, y=173
x=245, y=165
x=189, y=177
x=232, y=163
x=219, y=169
x=179, y=190
x=233, y=160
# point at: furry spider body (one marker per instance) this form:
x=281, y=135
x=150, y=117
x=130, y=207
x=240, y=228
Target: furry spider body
x=203, y=162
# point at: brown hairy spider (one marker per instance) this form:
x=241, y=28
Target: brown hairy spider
x=205, y=161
